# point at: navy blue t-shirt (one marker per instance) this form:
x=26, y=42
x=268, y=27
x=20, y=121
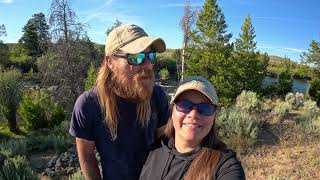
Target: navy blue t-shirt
x=124, y=157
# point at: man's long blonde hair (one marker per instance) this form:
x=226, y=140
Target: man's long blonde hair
x=108, y=103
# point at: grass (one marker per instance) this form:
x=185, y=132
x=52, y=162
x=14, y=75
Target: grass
x=4, y=131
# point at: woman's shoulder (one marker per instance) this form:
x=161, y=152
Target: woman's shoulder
x=229, y=167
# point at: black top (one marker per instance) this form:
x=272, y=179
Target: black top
x=166, y=163
x=124, y=157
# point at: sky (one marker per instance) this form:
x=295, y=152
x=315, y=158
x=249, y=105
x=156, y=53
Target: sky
x=282, y=27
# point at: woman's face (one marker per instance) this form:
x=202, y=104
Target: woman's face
x=191, y=127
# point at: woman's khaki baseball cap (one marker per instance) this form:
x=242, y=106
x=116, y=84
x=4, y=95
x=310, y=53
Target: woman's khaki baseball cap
x=132, y=39
x=197, y=83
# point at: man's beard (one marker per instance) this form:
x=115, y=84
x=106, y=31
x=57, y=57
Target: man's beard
x=135, y=88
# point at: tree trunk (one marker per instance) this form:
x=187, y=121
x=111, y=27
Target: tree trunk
x=12, y=120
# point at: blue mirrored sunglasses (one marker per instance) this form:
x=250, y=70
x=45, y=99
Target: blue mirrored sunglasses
x=205, y=109
x=137, y=59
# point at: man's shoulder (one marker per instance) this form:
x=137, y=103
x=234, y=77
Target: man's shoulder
x=87, y=99
x=158, y=92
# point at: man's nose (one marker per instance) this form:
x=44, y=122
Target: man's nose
x=147, y=64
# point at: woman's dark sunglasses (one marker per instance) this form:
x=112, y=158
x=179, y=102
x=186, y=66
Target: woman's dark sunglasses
x=205, y=109
x=137, y=59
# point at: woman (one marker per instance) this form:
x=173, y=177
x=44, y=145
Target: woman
x=192, y=150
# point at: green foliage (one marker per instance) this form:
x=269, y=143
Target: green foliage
x=164, y=74
x=236, y=122
x=10, y=95
x=117, y=23
x=282, y=87
x=281, y=108
x=77, y=176
x=35, y=37
x=4, y=55
x=246, y=42
x=314, y=90
x=165, y=60
x=14, y=147
x=3, y=31
x=91, y=77
x=37, y=110
x=313, y=56
x=295, y=100
x=19, y=58
x=248, y=101
x=208, y=51
x=16, y=168
x=309, y=120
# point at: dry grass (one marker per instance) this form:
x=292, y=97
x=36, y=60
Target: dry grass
x=276, y=162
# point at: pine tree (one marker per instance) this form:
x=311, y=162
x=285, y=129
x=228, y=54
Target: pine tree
x=250, y=67
x=35, y=36
x=4, y=49
x=313, y=56
x=91, y=77
x=209, y=49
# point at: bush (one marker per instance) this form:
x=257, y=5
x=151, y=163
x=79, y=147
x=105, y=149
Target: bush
x=280, y=109
x=309, y=120
x=91, y=77
x=295, y=100
x=16, y=168
x=236, y=122
x=77, y=176
x=267, y=105
x=14, y=147
x=164, y=74
x=37, y=110
x=10, y=95
x=248, y=101
x=314, y=90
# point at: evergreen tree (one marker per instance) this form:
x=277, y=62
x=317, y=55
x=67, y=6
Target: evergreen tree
x=4, y=49
x=115, y=24
x=313, y=56
x=250, y=67
x=91, y=77
x=35, y=36
x=208, y=51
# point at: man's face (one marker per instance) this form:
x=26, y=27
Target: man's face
x=132, y=82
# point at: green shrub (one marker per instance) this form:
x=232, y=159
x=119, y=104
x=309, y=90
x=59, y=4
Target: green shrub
x=164, y=74
x=14, y=147
x=38, y=111
x=77, y=176
x=280, y=109
x=267, y=105
x=236, y=122
x=10, y=95
x=310, y=106
x=295, y=100
x=16, y=168
x=91, y=77
x=248, y=101
x=314, y=90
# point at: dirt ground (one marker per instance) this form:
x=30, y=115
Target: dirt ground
x=277, y=162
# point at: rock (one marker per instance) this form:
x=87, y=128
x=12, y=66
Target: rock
x=52, y=162
x=58, y=163
x=49, y=172
x=71, y=170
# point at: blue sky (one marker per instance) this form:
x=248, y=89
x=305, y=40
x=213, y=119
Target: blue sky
x=283, y=27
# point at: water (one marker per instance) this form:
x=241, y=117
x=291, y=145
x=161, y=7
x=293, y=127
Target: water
x=298, y=85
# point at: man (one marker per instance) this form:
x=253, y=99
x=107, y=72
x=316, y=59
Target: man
x=120, y=116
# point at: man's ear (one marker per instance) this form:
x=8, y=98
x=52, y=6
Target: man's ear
x=108, y=61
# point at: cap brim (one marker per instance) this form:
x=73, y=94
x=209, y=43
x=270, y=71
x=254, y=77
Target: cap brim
x=140, y=44
x=186, y=87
